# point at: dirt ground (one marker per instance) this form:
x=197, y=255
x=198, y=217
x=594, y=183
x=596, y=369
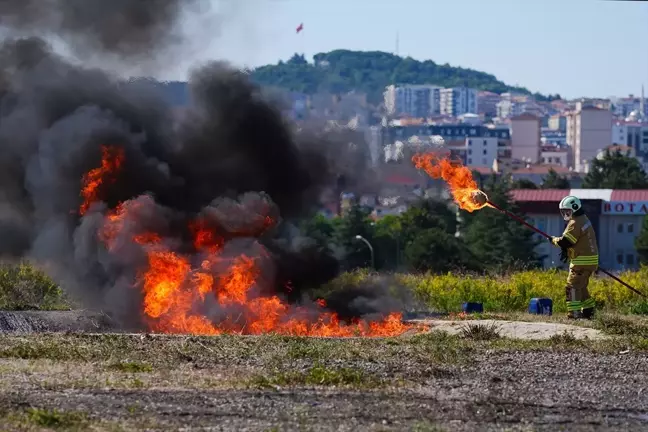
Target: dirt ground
x=430, y=382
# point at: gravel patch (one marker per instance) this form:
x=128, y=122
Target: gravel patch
x=517, y=329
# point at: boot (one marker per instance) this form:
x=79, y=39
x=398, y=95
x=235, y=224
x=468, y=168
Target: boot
x=588, y=313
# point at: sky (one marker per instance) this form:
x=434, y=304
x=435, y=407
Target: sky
x=577, y=48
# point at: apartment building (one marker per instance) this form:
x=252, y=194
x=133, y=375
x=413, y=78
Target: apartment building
x=631, y=134
x=554, y=155
x=553, y=137
x=457, y=101
x=557, y=122
x=525, y=138
x=589, y=130
x=412, y=100
x=487, y=103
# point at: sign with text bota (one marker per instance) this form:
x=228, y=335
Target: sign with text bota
x=625, y=208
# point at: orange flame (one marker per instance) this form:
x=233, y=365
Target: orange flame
x=111, y=161
x=459, y=178
x=175, y=290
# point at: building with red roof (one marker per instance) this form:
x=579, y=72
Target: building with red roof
x=617, y=217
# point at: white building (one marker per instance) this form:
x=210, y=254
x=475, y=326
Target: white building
x=412, y=100
x=616, y=215
x=631, y=134
x=589, y=130
x=525, y=138
x=482, y=152
x=457, y=101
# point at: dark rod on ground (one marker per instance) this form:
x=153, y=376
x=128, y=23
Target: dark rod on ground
x=542, y=233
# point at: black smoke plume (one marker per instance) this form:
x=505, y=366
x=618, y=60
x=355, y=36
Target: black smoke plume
x=123, y=27
x=230, y=160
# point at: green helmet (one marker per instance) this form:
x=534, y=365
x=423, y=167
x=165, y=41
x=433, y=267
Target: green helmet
x=568, y=206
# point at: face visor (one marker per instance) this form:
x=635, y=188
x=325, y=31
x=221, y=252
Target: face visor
x=566, y=214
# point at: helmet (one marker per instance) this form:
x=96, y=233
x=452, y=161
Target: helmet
x=568, y=206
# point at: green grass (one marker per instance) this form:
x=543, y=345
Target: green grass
x=481, y=331
x=131, y=367
x=24, y=287
x=46, y=418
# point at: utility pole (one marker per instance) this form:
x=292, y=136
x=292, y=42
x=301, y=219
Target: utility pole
x=362, y=239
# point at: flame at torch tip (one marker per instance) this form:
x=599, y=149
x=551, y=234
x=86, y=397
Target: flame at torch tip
x=458, y=177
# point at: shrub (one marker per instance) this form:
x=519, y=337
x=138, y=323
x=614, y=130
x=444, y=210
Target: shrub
x=512, y=292
x=23, y=286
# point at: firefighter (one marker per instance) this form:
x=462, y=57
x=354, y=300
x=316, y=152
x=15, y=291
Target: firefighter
x=578, y=244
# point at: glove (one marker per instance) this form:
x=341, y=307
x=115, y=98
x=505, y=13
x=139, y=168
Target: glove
x=554, y=240
x=563, y=255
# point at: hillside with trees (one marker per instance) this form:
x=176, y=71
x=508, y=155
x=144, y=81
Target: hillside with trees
x=369, y=72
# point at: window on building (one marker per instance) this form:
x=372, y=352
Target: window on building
x=485, y=151
x=630, y=228
x=469, y=161
x=469, y=142
x=484, y=161
x=619, y=258
x=630, y=259
x=469, y=151
x=620, y=228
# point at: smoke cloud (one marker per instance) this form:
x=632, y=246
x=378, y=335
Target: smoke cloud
x=123, y=27
x=230, y=161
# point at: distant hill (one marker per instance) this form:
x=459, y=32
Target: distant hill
x=369, y=72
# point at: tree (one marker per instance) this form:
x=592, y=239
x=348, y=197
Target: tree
x=641, y=242
x=496, y=240
x=427, y=214
x=320, y=229
x=555, y=181
x=616, y=171
x=369, y=72
x=387, y=241
x=428, y=237
x=436, y=250
x=524, y=184
x=355, y=222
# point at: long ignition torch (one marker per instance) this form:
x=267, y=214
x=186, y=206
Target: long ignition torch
x=481, y=198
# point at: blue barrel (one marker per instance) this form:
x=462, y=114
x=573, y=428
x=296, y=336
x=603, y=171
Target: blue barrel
x=469, y=307
x=541, y=306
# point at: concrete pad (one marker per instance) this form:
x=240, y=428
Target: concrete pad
x=516, y=329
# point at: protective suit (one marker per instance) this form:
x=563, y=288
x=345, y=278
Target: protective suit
x=578, y=245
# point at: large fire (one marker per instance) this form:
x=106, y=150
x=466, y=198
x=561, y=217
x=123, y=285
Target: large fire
x=179, y=289
x=463, y=187
x=111, y=161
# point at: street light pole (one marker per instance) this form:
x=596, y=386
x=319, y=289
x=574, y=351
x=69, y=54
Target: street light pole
x=359, y=237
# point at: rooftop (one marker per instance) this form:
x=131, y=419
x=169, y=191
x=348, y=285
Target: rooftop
x=547, y=195
x=525, y=116
x=542, y=169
